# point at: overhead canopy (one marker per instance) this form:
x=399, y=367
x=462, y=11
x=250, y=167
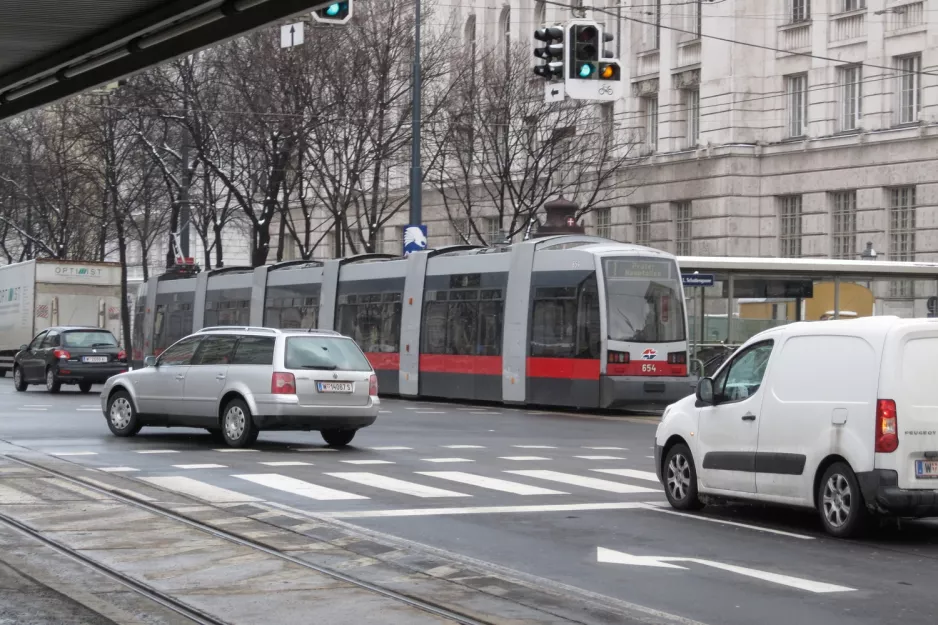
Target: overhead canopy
x=51, y=49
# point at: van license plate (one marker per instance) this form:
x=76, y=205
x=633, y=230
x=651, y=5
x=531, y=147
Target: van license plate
x=94, y=359
x=926, y=469
x=334, y=387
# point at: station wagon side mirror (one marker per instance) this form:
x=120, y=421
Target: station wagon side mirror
x=23, y=348
x=149, y=361
x=705, y=391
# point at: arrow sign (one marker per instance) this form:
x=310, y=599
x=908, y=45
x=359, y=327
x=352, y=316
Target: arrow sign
x=611, y=556
x=554, y=92
x=291, y=35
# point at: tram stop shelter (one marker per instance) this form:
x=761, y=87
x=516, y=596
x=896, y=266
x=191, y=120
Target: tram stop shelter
x=731, y=299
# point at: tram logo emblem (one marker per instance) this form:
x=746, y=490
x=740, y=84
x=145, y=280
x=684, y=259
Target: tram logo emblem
x=415, y=239
x=649, y=354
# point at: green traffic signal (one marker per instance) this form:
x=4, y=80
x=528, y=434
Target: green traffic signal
x=585, y=51
x=335, y=12
x=586, y=70
x=333, y=9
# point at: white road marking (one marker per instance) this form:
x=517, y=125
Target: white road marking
x=393, y=484
x=464, y=446
x=75, y=453
x=429, y=412
x=633, y=473
x=231, y=450
x=522, y=458
x=118, y=469
x=199, y=466
x=492, y=483
x=660, y=507
x=608, y=448
x=298, y=487
x=585, y=482
x=600, y=457
x=199, y=490
x=158, y=451
x=122, y=491
x=534, y=446
x=365, y=514
x=391, y=448
x=12, y=496
x=37, y=405
x=313, y=449
x=24, y=408
x=617, y=557
x=288, y=463
x=88, y=409
x=384, y=412
x=366, y=461
x=651, y=457
x=445, y=460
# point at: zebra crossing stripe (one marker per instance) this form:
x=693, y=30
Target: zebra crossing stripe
x=199, y=490
x=585, y=482
x=492, y=483
x=298, y=487
x=393, y=484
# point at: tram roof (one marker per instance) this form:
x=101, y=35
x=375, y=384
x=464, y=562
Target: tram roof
x=808, y=267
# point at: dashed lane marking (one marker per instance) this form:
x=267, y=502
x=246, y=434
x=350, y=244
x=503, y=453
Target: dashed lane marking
x=200, y=466
x=390, y=448
x=523, y=458
x=534, y=446
x=600, y=457
x=607, y=448
x=464, y=446
x=366, y=461
x=231, y=450
x=288, y=463
x=118, y=469
x=446, y=460
x=157, y=451
x=74, y=453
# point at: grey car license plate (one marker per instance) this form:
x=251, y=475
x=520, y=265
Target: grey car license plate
x=334, y=387
x=94, y=358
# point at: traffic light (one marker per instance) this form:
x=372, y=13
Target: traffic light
x=609, y=70
x=585, y=52
x=552, y=52
x=334, y=13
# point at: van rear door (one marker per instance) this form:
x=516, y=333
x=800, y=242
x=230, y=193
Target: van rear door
x=916, y=457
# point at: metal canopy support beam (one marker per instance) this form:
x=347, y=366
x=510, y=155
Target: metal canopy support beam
x=837, y=297
x=123, y=54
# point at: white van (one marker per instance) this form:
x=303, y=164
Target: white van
x=840, y=416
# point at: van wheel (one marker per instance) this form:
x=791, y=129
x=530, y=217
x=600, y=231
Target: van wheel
x=237, y=424
x=52, y=381
x=840, y=502
x=338, y=438
x=19, y=382
x=122, y=417
x=680, y=479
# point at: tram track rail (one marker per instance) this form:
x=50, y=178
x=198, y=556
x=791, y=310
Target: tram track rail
x=179, y=607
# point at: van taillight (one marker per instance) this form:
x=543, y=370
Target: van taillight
x=373, y=386
x=283, y=384
x=619, y=358
x=677, y=358
x=887, y=427
x=61, y=354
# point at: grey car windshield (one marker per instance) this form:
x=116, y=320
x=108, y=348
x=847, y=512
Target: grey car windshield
x=643, y=300
x=329, y=353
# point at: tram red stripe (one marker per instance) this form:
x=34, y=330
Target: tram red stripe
x=564, y=368
x=471, y=365
x=384, y=360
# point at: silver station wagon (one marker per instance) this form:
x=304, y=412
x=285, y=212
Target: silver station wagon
x=237, y=381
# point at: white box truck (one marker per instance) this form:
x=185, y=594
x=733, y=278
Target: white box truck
x=38, y=294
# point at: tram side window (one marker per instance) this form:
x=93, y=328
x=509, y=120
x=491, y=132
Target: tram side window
x=292, y=313
x=139, y=317
x=463, y=322
x=228, y=313
x=173, y=322
x=565, y=321
x=373, y=320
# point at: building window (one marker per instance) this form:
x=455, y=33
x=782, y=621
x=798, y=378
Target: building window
x=641, y=217
x=504, y=31
x=796, y=88
x=604, y=222
x=852, y=5
x=789, y=231
x=844, y=224
x=901, y=235
x=851, y=96
x=650, y=106
x=909, y=88
x=692, y=107
x=493, y=230
x=799, y=10
x=683, y=233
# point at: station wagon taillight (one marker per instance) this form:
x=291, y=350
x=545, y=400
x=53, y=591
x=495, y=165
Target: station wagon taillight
x=373, y=386
x=887, y=426
x=283, y=384
x=61, y=354
x=677, y=358
x=619, y=358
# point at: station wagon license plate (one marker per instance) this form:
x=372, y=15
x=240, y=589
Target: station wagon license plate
x=926, y=469
x=94, y=359
x=334, y=387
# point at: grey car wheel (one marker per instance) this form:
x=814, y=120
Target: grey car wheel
x=19, y=382
x=122, y=417
x=52, y=381
x=237, y=424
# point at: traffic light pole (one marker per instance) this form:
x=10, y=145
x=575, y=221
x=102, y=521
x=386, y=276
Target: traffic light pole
x=416, y=169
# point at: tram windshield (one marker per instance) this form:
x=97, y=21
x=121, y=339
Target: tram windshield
x=643, y=300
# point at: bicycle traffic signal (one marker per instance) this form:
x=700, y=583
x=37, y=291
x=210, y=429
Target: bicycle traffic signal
x=334, y=13
x=595, y=72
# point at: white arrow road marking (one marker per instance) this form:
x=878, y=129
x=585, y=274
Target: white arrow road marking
x=617, y=557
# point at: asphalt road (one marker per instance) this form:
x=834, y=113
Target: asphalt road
x=570, y=499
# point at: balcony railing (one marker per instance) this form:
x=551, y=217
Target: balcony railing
x=905, y=16
x=848, y=26
x=648, y=62
x=688, y=53
x=795, y=36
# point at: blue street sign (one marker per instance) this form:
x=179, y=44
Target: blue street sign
x=415, y=238
x=697, y=279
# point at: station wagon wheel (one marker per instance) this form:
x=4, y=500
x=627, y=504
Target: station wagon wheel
x=19, y=382
x=840, y=502
x=52, y=381
x=237, y=424
x=680, y=478
x=338, y=438
x=122, y=418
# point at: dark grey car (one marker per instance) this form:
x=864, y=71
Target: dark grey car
x=68, y=355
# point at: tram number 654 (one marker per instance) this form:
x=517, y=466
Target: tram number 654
x=648, y=368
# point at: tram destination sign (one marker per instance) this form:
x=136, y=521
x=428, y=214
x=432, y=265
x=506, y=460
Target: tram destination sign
x=770, y=289
x=647, y=269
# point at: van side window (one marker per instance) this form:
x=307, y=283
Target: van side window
x=743, y=377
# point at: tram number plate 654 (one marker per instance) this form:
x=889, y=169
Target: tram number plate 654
x=649, y=367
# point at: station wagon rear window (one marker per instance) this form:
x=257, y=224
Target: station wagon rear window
x=89, y=338
x=327, y=353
